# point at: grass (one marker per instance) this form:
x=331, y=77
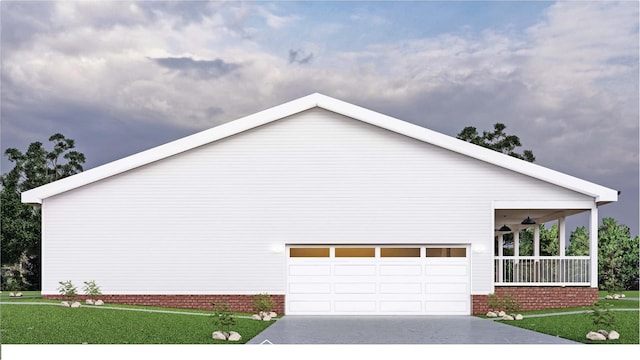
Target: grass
x=50, y=324
x=627, y=293
x=576, y=326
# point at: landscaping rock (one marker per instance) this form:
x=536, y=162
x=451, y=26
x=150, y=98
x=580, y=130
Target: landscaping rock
x=256, y=317
x=491, y=314
x=616, y=296
x=65, y=303
x=595, y=336
x=608, y=297
x=507, y=317
x=234, y=336
x=18, y=294
x=11, y=294
x=75, y=305
x=219, y=335
x=98, y=302
x=273, y=314
x=622, y=295
x=613, y=335
x=266, y=318
x=519, y=317
x=605, y=333
x=89, y=302
x=502, y=313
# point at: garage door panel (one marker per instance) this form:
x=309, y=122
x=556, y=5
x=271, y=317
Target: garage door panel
x=446, y=279
x=459, y=269
x=355, y=270
x=310, y=306
x=400, y=306
x=310, y=288
x=352, y=306
x=449, y=307
x=400, y=288
x=309, y=270
x=446, y=297
x=355, y=288
x=405, y=270
x=448, y=288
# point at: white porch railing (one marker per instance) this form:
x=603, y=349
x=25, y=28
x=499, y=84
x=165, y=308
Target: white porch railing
x=542, y=270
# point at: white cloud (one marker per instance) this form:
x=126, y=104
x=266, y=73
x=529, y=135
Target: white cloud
x=276, y=21
x=552, y=85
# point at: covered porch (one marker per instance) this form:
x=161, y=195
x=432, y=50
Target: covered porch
x=512, y=269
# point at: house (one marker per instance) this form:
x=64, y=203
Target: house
x=328, y=207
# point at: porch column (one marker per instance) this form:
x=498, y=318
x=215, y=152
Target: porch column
x=593, y=246
x=536, y=240
x=501, y=260
x=562, y=235
x=562, y=243
x=516, y=255
x=536, y=252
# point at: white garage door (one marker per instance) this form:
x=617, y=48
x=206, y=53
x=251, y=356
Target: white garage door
x=382, y=280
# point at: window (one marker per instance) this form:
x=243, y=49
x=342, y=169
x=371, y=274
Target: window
x=400, y=252
x=309, y=252
x=355, y=252
x=446, y=252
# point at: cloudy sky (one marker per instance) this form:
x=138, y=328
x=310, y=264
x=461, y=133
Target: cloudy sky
x=121, y=77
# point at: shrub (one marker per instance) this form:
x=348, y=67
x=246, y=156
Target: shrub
x=495, y=303
x=12, y=285
x=511, y=305
x=603, y=318
x=262, y=303
x=507, y=303
x=91, y=289
x=68, y=290
x=222, y=319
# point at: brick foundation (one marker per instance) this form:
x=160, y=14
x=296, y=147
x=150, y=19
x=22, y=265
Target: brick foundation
x=538, y=298
x=530, y=298
x=239, y=303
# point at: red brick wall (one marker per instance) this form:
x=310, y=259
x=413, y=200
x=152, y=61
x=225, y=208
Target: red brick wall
x=239, y=303
x=537, y=298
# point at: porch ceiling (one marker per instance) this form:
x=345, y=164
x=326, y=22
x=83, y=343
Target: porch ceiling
x=513, y=217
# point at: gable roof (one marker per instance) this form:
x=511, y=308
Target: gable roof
x=599, y=193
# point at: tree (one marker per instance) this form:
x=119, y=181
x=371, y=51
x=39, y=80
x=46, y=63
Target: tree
x=548, y=241
x=497, y=140
x=617, y=256
x=20, y=232
x=579, y=242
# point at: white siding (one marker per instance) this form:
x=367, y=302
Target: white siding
x=207, y=220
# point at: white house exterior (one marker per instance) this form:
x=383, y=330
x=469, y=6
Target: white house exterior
x=328, y=207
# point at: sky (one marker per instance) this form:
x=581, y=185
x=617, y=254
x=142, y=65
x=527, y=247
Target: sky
x=120, y=77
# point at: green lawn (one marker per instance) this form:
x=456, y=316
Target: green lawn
x=627, y=293
x=576, y=326
x=52, y=324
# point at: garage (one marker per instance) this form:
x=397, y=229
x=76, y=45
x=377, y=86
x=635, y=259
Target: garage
x=378, y=280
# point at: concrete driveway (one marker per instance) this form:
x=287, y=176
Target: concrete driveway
x=398, y=330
